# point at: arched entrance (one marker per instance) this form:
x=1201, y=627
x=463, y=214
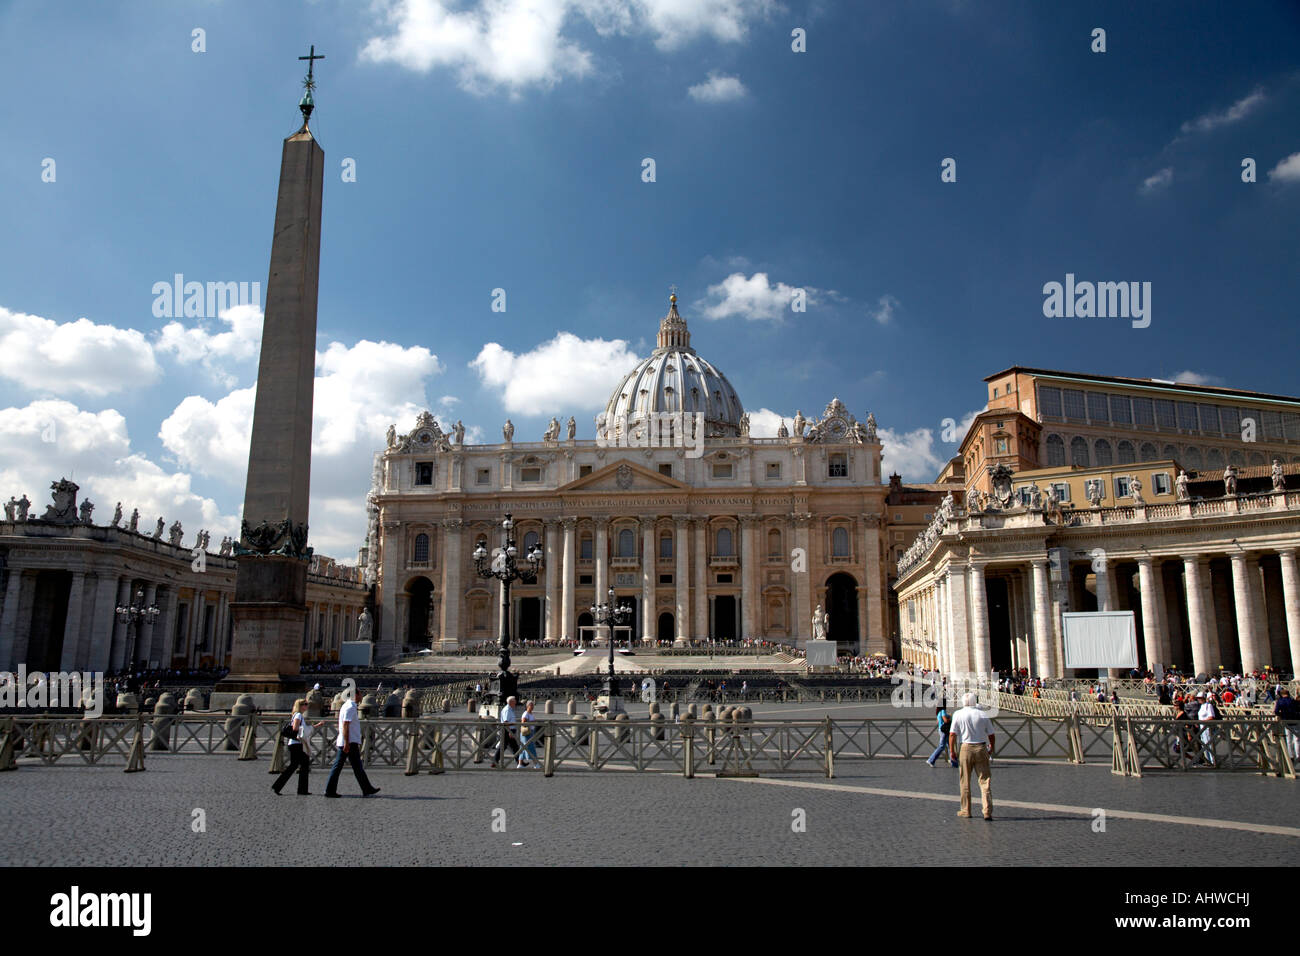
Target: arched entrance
x=842, y=606
x=724, y=617
x=665, y=632
x=529, y=625
x=419, y=597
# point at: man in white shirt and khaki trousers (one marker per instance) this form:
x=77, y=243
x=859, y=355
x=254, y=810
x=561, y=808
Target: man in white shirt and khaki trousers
x=972, y=729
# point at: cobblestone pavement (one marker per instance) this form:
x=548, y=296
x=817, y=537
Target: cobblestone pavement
x=893, y=812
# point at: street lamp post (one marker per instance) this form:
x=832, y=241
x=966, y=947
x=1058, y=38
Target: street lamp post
x=608, y=614
x=501, y=564
x=133, y=615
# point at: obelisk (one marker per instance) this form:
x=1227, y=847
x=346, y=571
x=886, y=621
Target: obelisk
x=272, y=556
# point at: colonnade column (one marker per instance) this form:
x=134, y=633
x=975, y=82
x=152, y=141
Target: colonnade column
x=681, y=575
x=1149, y=579
x=566, y=600
x=957, y=618
x=101, y=634
x=1044, y=655
x=9, y=620
x=1201, y=662
x=1254, y=646
x=1291, y=600
x=979, y=619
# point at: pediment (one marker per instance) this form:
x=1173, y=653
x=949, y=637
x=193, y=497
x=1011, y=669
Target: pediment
x=624, y=475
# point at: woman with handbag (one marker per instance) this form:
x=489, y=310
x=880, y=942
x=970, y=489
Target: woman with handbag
x=299, y=750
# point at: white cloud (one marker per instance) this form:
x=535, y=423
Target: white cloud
x=196, y=345
x=753, y=298
x=515, y=44
x=1237, y=111
x=1195, y=378
x=1158, y=180
x=764, y=423
x=1288, y=170
x=884, y=311
x=718, y=88
x=81, y=356
x=563, y=375
x=52, y=439
x=915, y=455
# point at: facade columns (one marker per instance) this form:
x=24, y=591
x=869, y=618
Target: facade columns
x=648, y=578
x=980, y=619
x=747, y=596
x=1254, y=646
x=567, y=626
x=681, y=575
x=452, y=591
x=1044, y=644
x=101, y=634
x=875, y=633
x=72, y=623
x=1291, y=600
x=1149, y=581
x=601, y=559
x=553, y=629
x=1201, y=660
x=802, y=581
x=701, y=579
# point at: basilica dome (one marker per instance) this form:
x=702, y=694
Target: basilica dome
x=673, y=379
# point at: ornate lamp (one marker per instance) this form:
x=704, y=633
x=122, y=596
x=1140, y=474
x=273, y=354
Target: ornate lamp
x=502, y=566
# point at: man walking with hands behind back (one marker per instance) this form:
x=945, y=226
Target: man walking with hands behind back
x=972, y=729
x=349, y=744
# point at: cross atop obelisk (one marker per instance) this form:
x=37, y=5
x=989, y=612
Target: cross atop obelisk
x=307, y=104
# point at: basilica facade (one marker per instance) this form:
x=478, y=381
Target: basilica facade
x=705, y=531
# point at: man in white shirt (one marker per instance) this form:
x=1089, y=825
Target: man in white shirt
x=349, y=748
x=509, y=716
x=973, y=731
x=1208, y=713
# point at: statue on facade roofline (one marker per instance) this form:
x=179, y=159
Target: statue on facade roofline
x=11, y=507
x=799, y=422
x=508, y=431
x=174, y=533
x=134, y=524
x=392, y=436
x=459, y=430
x=1230, y=481
x=87, y=506
x=572, y=431
x=158, y=531
x=117, y=515
x=1279, y=481
x=1181, y=486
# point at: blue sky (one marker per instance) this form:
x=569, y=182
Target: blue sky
x=502, y=146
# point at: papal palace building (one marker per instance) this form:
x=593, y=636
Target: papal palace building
x=1088, y=492
x=706, y=531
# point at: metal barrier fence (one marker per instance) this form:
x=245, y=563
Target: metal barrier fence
x=726, y=747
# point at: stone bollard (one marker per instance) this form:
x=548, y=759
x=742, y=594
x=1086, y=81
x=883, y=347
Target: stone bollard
x=368, y=707
x=580, y=733
x=621, y=735
x=676, y=711
x=164, y=717
x=239, y=715
x=472, y=705
x=127, y=703
x=339, y=700
x=657, y=726
x=411, y=704
x=572, y=708
x=195, y=699
x=150, y=703
x=691, y=712
x=315, y=704
x=654, y=708
x=548, y=707
x=446, y=705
